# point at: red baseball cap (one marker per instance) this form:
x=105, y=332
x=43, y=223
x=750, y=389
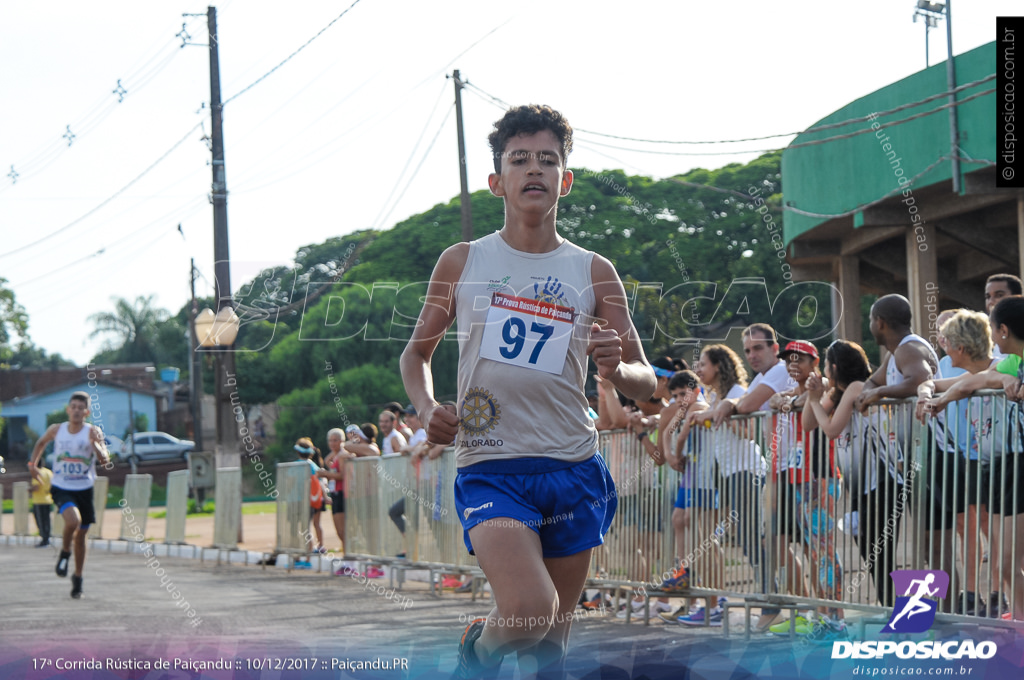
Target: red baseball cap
x=799, y=346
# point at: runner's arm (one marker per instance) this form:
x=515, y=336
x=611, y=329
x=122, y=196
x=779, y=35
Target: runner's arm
x=435, y=319
x=614, y=343
x=37, y=450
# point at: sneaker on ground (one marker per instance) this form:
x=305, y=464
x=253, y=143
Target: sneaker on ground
x=375, y=572
x=636, y=605
x=659, y=607
x=76, y=586
x=767, y=620
x=62, y=563
x=678, y=581
x=803, y=627
x=673, y=616
x=826, y=631
x=1007, y=617
x=450, y=582
x=303, y=564
x=703, y=617
x=468, y=665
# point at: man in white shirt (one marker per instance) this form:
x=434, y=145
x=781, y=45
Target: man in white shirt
x=419, y=434
x=761, y=348
x=392, y=440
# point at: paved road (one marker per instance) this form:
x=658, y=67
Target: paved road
x=261, y=621
x=249, y=613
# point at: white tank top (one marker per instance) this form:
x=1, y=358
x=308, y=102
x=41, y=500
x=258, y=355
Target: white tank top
x=523, y=328
x=74, y=463
x=892, y=373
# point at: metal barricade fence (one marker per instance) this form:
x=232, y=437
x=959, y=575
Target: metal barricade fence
x=773, y=511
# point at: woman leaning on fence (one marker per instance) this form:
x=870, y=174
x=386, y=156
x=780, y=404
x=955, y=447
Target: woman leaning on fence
x=1006, y=321
x=859, y=450
x=964, y=431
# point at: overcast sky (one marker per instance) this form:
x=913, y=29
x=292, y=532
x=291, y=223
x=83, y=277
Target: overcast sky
x=329, y=142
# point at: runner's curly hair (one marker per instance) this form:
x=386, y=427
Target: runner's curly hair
x=527, y=120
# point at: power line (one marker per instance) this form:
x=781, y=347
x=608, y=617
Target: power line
x=108, y=200
x=192, y=206
x=289, y=57
x=412, y=154
x=82, y=126
x=416, y=171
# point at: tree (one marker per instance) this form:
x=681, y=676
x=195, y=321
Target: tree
x=134, y=325
x=13, y=320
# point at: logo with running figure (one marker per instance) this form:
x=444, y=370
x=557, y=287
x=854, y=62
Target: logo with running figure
x=915, y=609
x=480, y=411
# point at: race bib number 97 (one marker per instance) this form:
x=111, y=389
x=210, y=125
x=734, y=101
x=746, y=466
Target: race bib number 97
x=527, y=333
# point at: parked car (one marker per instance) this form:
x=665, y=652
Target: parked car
x=154, y=446
x=115, y=447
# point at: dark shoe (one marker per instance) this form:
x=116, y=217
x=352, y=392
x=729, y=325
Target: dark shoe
x=62, y=563
x=468, y=666
x=43, y=544
x=997, y=605
x=966, y=604
x=76, y=586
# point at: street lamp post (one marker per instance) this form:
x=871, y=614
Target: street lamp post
x=930, y=13
x=216, y=333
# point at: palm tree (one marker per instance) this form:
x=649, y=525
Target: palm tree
x=134, y=325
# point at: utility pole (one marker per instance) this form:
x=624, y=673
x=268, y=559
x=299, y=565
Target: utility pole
x=954, y=125
x=467, y=215
x=227, y=447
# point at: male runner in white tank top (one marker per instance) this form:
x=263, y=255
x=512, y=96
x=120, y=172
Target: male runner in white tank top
x=77, y=446
x=533, y=497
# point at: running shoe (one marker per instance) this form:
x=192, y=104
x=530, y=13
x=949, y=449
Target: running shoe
x=678, y=582
x=803, y=627
x=636, y=605
x=450, y=583
x=469, y=666
x=768, y=618
x=76, y=586
x=658, y=607
x=703, y=617
x=321, y=550
x=375, y=572
x=62, y=563
x=827, y=631
x=303, y=564
x=673, y=616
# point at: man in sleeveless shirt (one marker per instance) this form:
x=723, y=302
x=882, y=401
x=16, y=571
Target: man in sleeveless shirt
x=533, y=497
x=911, y=362
x=77, y=446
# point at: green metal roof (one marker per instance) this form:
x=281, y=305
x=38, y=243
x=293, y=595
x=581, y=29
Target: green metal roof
x=838, y=176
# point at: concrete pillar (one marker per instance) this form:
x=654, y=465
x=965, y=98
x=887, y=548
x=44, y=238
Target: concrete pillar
x=21, y=508
x=848, y=280
x=138, y=490
x=227, y=516
x=293, y=511
x=923, y=279
x=99, y=503
x=177, y=506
